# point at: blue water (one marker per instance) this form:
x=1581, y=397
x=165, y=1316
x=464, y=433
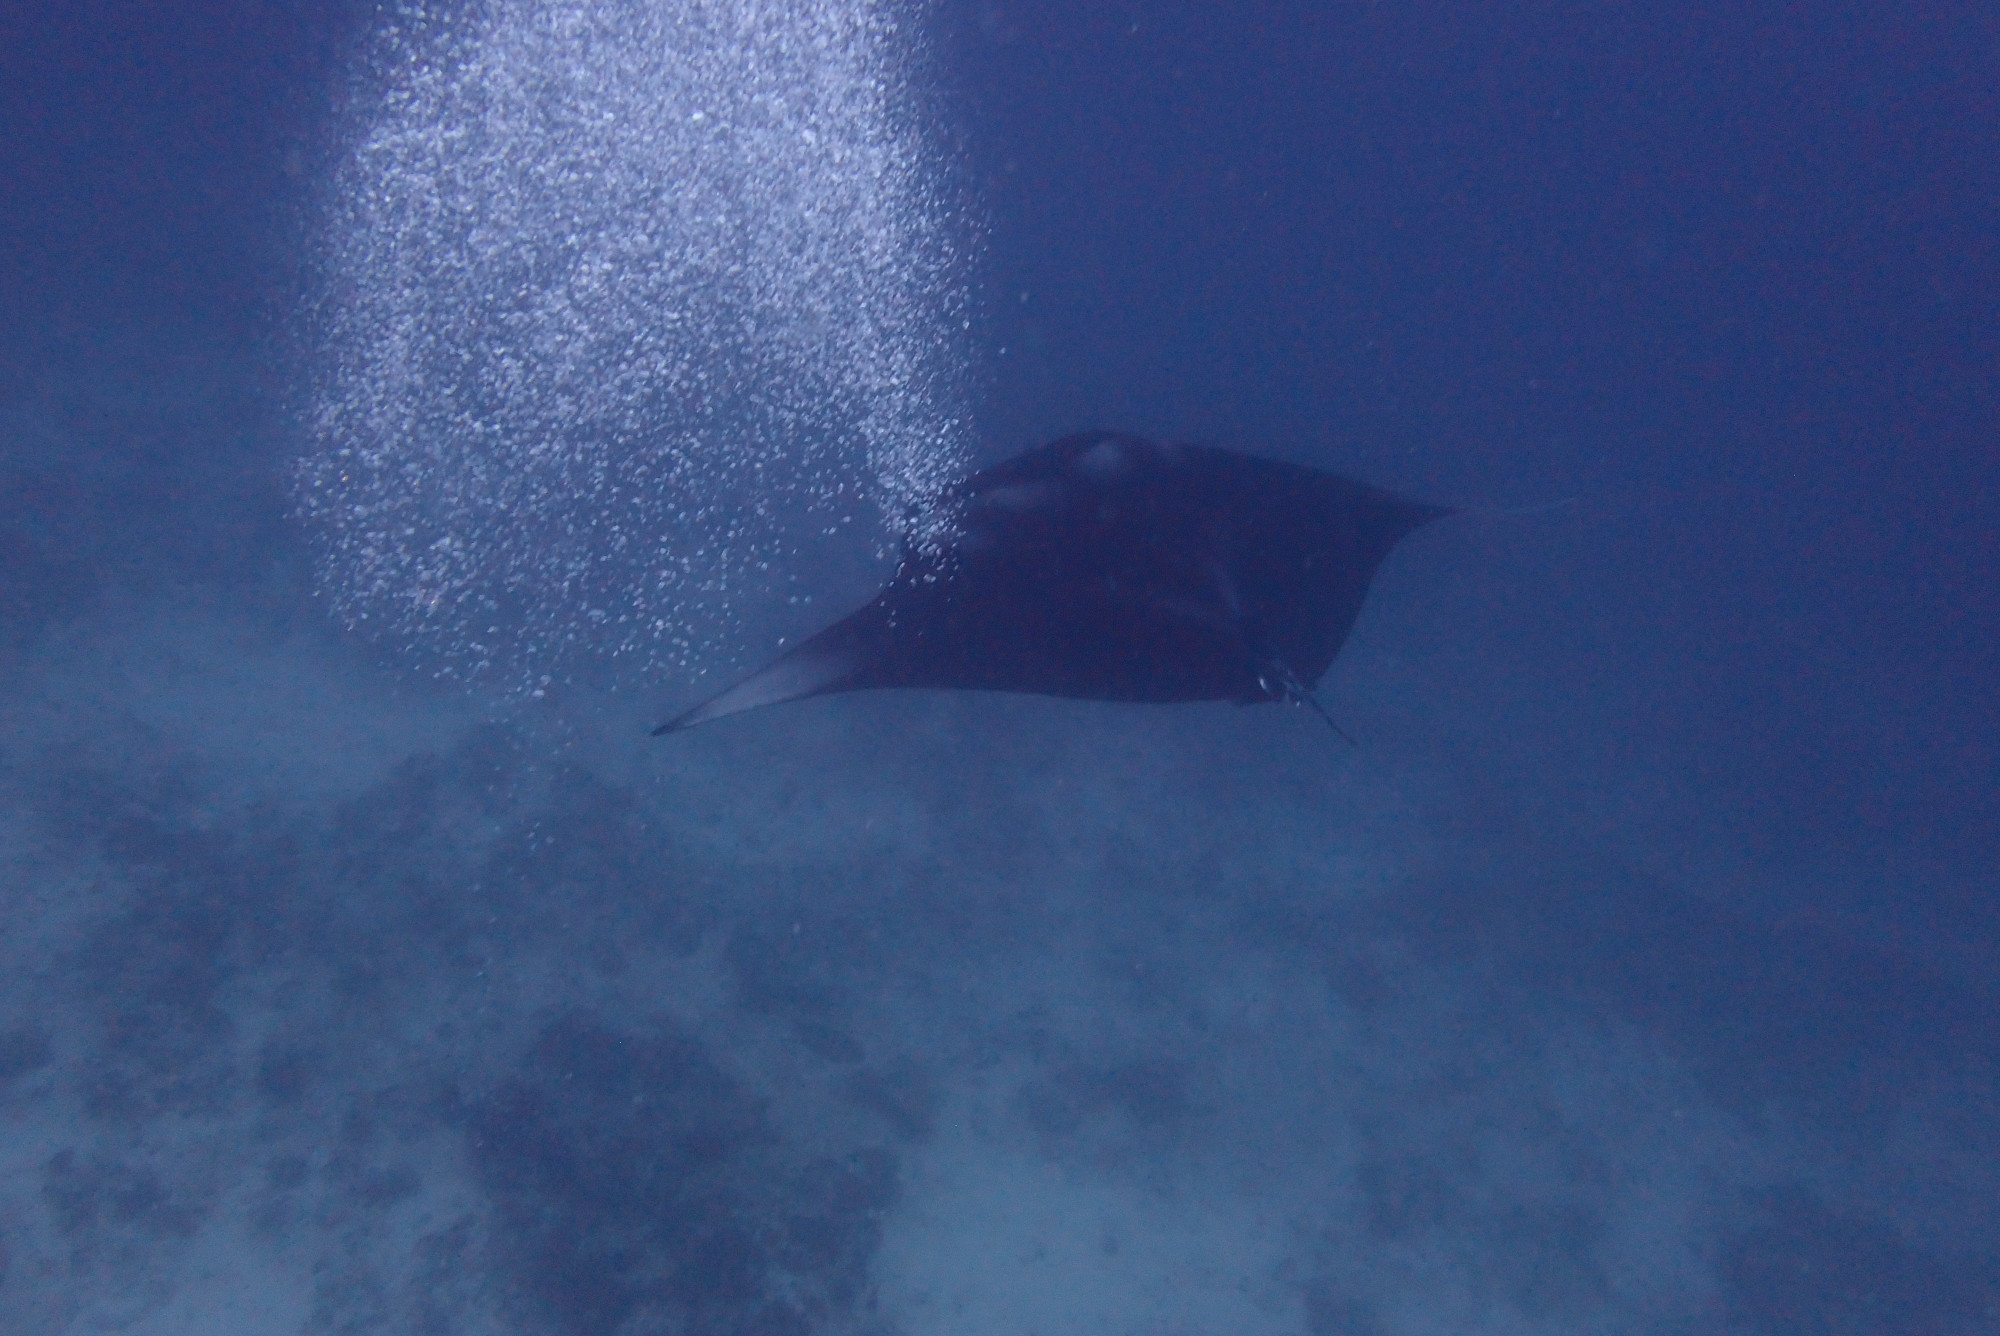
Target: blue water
x=1633, y=974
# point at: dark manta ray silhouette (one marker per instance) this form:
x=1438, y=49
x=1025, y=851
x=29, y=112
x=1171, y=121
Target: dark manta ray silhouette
x=1108, y=567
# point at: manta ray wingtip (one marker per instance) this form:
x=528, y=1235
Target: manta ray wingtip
x=824, y=663
x=681, y=723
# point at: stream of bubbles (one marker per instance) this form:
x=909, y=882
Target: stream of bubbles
x=615, y=300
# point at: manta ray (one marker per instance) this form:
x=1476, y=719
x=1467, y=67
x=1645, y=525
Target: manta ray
x=1108, y=567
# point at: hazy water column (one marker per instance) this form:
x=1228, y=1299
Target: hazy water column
x=614, y=298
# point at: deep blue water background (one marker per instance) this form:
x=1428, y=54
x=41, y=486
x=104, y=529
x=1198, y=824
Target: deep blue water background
x=1727, y=274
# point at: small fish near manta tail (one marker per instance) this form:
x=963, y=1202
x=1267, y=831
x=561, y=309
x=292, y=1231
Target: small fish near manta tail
x=1107, y=567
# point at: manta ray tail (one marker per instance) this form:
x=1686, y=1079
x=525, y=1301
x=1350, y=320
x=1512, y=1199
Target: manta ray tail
x=1310, y=699
x=1297, y=692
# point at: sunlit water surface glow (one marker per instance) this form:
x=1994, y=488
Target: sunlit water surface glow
x=618, y=299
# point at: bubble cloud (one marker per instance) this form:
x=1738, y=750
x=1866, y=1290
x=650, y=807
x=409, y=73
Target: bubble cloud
x=614, y=300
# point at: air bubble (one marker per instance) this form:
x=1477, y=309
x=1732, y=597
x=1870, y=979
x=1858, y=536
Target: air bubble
x=620, y=304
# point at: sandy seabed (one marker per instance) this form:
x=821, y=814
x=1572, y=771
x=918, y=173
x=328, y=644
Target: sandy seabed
x=332, y=1005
